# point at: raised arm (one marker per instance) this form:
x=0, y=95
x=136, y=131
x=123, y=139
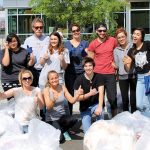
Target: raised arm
x=127, y=63
x=40, y=100
x=83, y=97
x=49, y=102
x=70, y=98
x=6, y=94
x=6, y=57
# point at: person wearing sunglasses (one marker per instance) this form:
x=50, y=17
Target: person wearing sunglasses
x=28, y=99
x=77, y=51
x=91, y=101
x=101, y=50
x=13, y=58
x=35, y=43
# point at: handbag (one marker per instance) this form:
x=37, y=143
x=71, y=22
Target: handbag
x=147, y=84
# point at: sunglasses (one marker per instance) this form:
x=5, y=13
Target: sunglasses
x=78, y=30
x=38, y=27
x=26, y=78
x=101, y=31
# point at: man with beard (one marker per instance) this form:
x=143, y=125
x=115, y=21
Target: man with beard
x=101, y=50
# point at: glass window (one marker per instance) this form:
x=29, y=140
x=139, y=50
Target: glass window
x=24, y=23
x=137, y=20
x=25, y=11
x=12, y=11
x=139, y=5
x=119, y=17
x=12, y=24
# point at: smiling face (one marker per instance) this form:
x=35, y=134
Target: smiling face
x=13, y=44
x=75, y=32
x=26, y=79
x=122, y=39
x=137, y=37
x=53, y=79
x=101, y=32
x=38, y=28
x=54, y=41
x=88, y=68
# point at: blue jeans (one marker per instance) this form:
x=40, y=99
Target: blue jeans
x=142, y=101
x=86, y=117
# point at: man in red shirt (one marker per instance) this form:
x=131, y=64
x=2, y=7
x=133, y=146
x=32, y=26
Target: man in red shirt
x=101, y=50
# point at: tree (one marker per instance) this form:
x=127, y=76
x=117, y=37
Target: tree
x=80, y=11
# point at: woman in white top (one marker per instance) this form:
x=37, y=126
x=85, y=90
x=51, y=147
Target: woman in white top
x=55, y=57
x=27, y=99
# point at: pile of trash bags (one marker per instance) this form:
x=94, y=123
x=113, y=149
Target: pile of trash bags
x=40, y=136
x=125, y=131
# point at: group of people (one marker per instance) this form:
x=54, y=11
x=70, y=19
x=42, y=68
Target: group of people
x=44, y=72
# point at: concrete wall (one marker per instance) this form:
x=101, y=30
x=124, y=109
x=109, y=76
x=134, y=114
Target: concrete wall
x=15, y=3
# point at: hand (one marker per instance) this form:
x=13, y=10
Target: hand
x=6, y=45
x=98, y=111
x=32, y=57
x=93, y=92
x=114, y=65
x=127, y=60
x=79, y=91
x=61, y=56
x=46, y=55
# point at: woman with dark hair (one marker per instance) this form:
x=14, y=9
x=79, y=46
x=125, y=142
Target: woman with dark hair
x=55, y=57
x=127, y=80
x=139, y=56
x=77, y=51
x=13, y=58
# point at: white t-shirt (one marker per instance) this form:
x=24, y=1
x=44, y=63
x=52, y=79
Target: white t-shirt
x=25, y=105
x=53, y=63
x=37, y=45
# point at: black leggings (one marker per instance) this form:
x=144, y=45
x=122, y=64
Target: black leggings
x=63, y=124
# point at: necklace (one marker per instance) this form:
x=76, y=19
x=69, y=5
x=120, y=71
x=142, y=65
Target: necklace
x=90, y=77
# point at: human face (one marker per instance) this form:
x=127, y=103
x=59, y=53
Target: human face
x=137, y=37
x=26, y=79
x=101, y=32
x=75, y=32
x=13, y=44
x=38, y=28
x=54, y=41
x=53, y=79
x=88, y=68
x=122, y=39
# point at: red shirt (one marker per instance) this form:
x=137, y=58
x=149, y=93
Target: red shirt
x=103, y=55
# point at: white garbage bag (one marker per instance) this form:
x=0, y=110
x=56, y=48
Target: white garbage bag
x=108, y=135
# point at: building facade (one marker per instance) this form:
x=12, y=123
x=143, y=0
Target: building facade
x=19, y=17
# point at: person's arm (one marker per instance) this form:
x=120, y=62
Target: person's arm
x=98, y=110
x=6, y=94
x=83, y=97
x=39, y=99
x=115, y=64
x=70, y=98
x=44, y=58
x=31, y=60
x=89, y=53
x=127, y=63
x=63, y=62
x=49, y=102
x=6, y=57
